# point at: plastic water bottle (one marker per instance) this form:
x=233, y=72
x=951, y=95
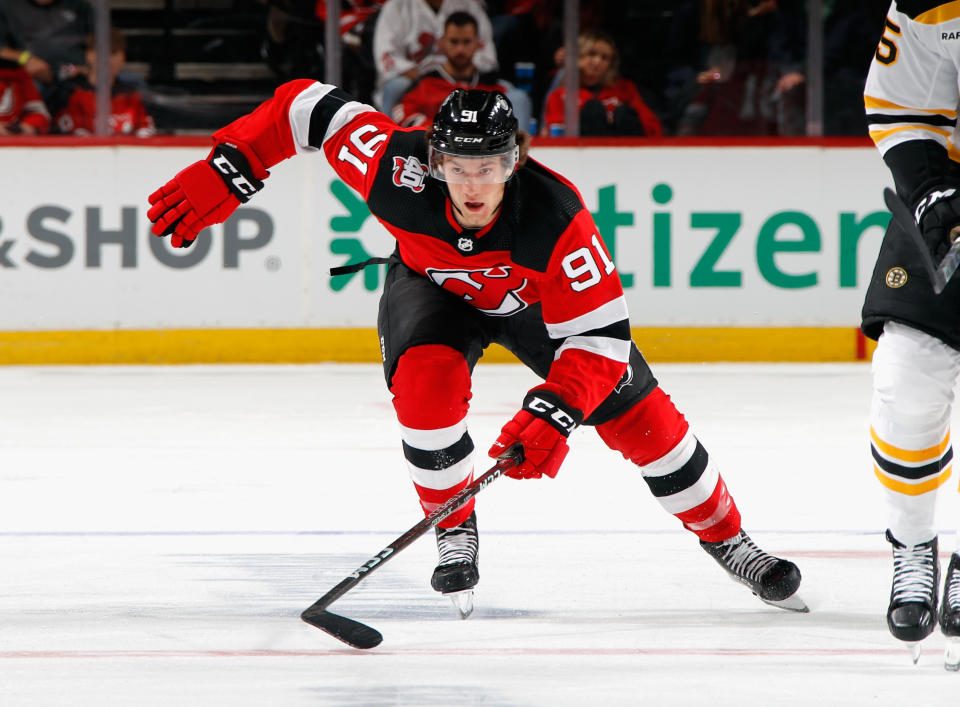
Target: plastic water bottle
x=523, y=73
x=557, y=129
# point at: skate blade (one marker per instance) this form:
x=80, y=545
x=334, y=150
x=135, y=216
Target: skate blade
x=792, y=603
x=951, y=654
x=914, y=648
x=462, y=601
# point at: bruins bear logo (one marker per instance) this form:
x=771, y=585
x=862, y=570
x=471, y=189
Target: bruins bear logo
x=896, y=277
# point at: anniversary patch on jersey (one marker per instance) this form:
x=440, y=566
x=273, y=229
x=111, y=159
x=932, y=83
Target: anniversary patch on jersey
x=493, y=291
x=409, y=172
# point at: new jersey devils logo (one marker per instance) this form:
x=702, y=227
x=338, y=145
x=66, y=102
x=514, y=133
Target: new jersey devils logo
x=494, y=291
x=409, y=173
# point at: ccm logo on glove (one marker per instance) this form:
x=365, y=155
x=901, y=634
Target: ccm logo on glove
x=541, y=428
x=235, y=171
x=551, y=411
x=929, y=200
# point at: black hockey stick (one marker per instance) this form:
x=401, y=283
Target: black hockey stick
x=360, y=635
x=939, y=274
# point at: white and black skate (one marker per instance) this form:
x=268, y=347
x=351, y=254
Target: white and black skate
x=912, y=613
x=773, y=580
x=457, y=573
x=950, y=614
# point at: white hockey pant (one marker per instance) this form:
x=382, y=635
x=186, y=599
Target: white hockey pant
x=914, y=375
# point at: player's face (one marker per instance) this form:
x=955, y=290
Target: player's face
x=459, y=44
x=476, y=199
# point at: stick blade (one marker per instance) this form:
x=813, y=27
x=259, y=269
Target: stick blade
x=351, y=632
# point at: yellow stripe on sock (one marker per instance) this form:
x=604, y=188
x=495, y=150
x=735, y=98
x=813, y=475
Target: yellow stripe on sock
x=913, y=489
x=911, y=455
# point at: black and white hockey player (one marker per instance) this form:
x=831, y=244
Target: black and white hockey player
x=911, y=99
x=491, y=247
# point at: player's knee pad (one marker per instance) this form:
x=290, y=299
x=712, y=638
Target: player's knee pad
x=431, y=387
x=647, y=431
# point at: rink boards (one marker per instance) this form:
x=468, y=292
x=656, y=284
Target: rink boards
x=726, y=252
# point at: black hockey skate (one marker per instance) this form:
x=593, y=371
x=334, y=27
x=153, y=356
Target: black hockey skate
x=457, y=574
x=912, y=612
x=773, y=580
x=950, y=614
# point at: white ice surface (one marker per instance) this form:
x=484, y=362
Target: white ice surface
x=162, y=528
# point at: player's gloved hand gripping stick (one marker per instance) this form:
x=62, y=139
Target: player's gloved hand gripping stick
x=934, y=227
x=541, y=428
x=360, y=635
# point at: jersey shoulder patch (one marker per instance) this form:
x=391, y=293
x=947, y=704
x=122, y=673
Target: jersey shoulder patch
x=402, y=174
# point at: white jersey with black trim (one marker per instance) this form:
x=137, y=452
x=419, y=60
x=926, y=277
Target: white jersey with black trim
x=912, y=87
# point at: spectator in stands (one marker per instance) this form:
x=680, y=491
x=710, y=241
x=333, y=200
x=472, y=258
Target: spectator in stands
x=22, y=111
x=46, y=37
x=294, y=37
x=524, y=35
x=850, y=31
x=532, y=31
x=751, y=81
x=75, y=104
x=609, y=103
x=406, y=44
x=459, y=44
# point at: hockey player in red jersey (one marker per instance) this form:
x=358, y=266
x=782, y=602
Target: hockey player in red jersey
x=491, y=247
x=911, y=105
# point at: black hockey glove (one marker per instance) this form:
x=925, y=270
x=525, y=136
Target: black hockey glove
x=937, y=214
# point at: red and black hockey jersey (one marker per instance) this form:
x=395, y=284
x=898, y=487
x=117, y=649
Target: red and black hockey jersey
x=20, y=101
x=621, y=92
x=422, y=101
x=543, y=247
x=128, y=115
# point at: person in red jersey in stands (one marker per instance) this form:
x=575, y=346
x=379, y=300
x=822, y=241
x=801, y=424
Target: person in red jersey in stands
x=609, y=104
x=76, y=103
x=22, y=110
x=459, y=43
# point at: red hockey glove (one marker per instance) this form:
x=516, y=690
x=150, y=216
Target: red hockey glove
x=542, y=428
x=203, y=194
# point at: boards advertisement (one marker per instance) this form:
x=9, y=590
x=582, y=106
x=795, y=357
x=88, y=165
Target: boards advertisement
x=702, y=237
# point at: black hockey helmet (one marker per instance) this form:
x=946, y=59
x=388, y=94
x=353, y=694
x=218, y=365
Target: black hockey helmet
x=474, y=124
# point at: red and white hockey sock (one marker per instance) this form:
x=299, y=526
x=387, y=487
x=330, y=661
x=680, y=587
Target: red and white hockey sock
x=431, y=389
x=677, y=468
